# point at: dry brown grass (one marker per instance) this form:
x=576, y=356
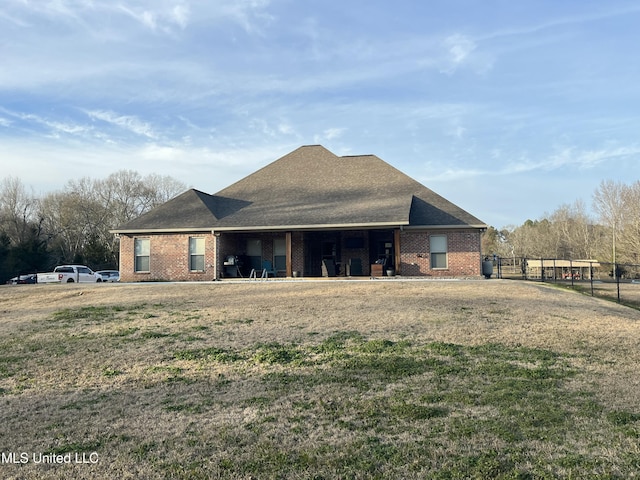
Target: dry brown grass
x=115, y=368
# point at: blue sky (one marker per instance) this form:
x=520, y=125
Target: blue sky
x=507, y=108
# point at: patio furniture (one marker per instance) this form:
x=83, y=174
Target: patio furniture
x=354, y=267
x=328, y=268
x=267, y=269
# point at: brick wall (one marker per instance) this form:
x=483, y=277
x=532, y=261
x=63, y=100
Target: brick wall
x=168, y=260
x=169, y=254
x=463, y=257
x=126, y=259
x=360, y=253
x=297, y=253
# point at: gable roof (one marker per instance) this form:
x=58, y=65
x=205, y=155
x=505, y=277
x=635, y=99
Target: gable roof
x=190, y=210
x=306, y=189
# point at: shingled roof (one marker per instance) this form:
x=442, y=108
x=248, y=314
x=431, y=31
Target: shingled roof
x=310, y=188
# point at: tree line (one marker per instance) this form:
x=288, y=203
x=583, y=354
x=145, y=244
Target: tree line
x=610, y=234
x=72, y=225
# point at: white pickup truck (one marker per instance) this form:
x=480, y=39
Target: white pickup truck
x=70, y=274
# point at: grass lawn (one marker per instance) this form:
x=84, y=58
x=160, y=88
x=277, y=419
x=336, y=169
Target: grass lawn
x=380, y=379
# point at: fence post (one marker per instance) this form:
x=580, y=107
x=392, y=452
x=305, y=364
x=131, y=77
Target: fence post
x=591, y=276
x=571, y=271
x=542, y=269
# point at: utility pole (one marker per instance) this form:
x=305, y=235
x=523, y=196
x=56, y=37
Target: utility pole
x=615, y=269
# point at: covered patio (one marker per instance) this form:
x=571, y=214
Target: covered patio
x=314, y=253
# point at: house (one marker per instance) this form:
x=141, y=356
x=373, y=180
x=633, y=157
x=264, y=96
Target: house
x=311, y=213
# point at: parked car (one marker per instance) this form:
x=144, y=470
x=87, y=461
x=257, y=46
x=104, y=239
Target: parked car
x=69, y=274
x=22, y=279
x=109, y=275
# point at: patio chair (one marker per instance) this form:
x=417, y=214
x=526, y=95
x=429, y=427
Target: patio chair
x=328, y=268
x=354, y=267
x=267, y=269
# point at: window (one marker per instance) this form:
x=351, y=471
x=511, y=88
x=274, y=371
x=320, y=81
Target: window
x=142, y=248
x=279, y=253
x=438, y=249
x=196, y=254
x=254, y=252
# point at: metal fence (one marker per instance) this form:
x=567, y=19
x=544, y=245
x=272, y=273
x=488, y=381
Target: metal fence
x=617, y=281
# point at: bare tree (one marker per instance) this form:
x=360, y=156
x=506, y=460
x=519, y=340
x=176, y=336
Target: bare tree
x=629, y=234
x=79, y=218
x=68, y=220
x=162, y=188
x=73, y=224
x=128, y=195
x=574, y=233
x=18, y=210
x=619, y=210
x=23, y=248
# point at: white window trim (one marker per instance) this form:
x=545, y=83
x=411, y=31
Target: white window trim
x=136, y=256
x=191, y=255
x=446, y=252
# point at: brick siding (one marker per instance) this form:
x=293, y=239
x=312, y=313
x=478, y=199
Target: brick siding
x=297, y=253
x=169, y=254
x=463, y=254
x=168, y=259
x=356, y=253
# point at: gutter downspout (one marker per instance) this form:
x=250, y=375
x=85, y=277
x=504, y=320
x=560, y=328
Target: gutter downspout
x=216, y=254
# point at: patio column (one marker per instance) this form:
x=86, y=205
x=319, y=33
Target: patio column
x=288, y=260
x=396, y=244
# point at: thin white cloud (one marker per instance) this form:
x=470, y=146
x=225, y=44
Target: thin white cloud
x=158, y=17
x=459, y=47
x=69, y=128
x=54, y=127
x=332, y=133
x=585, y=159
x=572, y=157
x=13, y=19
x=180, y=15
x=163, y=15
x=569, y=157
x=286, y=129
x=250, y=14
x=129, y=123
x=263, y=126
x=329, y=134
x=47, y=165
x=607, y=10
x=145, y=17
x=59, y=8
x=453, y=174
x=162, y=153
